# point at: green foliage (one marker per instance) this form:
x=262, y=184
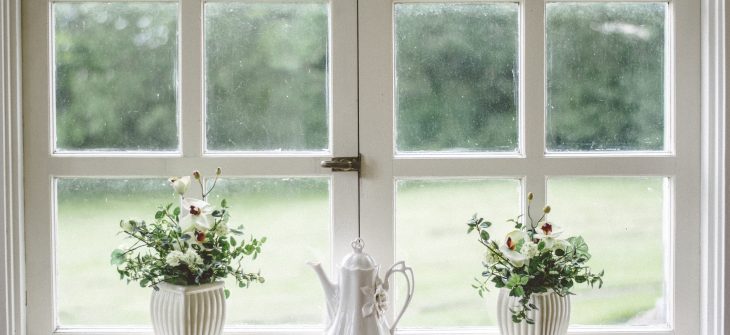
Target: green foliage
x=605, y=88
x=266, y=76
x=457, y=69
x=457, y=72
x=532, y=260
x=115, y=75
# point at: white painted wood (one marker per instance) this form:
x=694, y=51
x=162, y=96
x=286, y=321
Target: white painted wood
x=267, y=330
x=191, y=104
x=12, y=285
x=376, y=123
x=37, y=148
x=714, y=167
x=344, y=130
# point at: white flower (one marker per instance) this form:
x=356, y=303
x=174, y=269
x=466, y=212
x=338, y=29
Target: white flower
x=511, y=245
x=127, y=226
x=191, y=258
x=180, y=184
x=529, y=249
x=196, y=215
x=547, y=229
x=174, y=258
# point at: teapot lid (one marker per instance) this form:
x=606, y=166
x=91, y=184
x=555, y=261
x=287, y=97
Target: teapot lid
x=358, y=260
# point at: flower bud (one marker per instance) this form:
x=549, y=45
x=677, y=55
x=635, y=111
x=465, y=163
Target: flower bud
x=546, y=210
x=218, y=171
x=196, y=174
x=530, y=196
x=180, y=185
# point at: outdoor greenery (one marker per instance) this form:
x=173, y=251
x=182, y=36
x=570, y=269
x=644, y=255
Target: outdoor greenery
x=457, y=70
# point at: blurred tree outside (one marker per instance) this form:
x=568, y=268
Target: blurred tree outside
x=116, y=78
x=457, y=76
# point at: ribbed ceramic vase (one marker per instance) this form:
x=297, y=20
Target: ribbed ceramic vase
x=188, y=310
x=551, y=317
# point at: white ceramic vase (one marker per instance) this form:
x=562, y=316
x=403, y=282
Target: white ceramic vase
x=551, y=317
x=188, y=310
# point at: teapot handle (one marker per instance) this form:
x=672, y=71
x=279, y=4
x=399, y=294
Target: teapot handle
x=408, y=273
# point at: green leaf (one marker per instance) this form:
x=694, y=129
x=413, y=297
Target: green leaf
x=224, y=203
x=117, y=257
x=176, y=211
x=264, y=239
x=227, y=293
x=159, y=215
x=484, y=235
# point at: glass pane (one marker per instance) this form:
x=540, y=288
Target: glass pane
x=266, y=77
x=457, y=77
x=621, y=219
x=116, y=76
x=605, y=76
x=293, y=213
x=431, y=216
x=92, y=208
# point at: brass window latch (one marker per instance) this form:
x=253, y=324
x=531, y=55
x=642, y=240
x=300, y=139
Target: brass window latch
x=342, y=164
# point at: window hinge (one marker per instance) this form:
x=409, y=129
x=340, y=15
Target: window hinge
x=341, y=164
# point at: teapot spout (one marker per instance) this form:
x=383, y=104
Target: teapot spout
x=330, y=289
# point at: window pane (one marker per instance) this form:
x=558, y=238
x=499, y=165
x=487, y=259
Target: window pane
x=431, y=216
x=293, y=213
x=266, y=77
x=621, y=219
x=457, y=77
x=605, y=76
x=89, y=211
x=115, y=83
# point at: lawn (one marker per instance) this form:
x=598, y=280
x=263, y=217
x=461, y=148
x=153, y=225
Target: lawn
x=621, y=219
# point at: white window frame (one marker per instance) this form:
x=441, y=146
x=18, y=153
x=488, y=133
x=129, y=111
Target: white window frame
x=714, y=236
x=44, y=164
x=532, y=164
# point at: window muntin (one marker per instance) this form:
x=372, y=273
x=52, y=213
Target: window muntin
x=266, y=77
x=605, y=83
x=456, y=77
x=99, y=48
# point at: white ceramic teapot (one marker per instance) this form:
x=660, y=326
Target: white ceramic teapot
x=356, y=305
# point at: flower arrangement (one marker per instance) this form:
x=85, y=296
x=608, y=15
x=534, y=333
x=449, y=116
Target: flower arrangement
x=532, y=259
x=190, y=244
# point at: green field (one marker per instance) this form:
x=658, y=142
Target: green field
x=620, y=219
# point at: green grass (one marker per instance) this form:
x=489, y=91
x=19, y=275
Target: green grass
x=620, y=219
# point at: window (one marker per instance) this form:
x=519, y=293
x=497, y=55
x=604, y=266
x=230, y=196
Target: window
x=456, y=107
